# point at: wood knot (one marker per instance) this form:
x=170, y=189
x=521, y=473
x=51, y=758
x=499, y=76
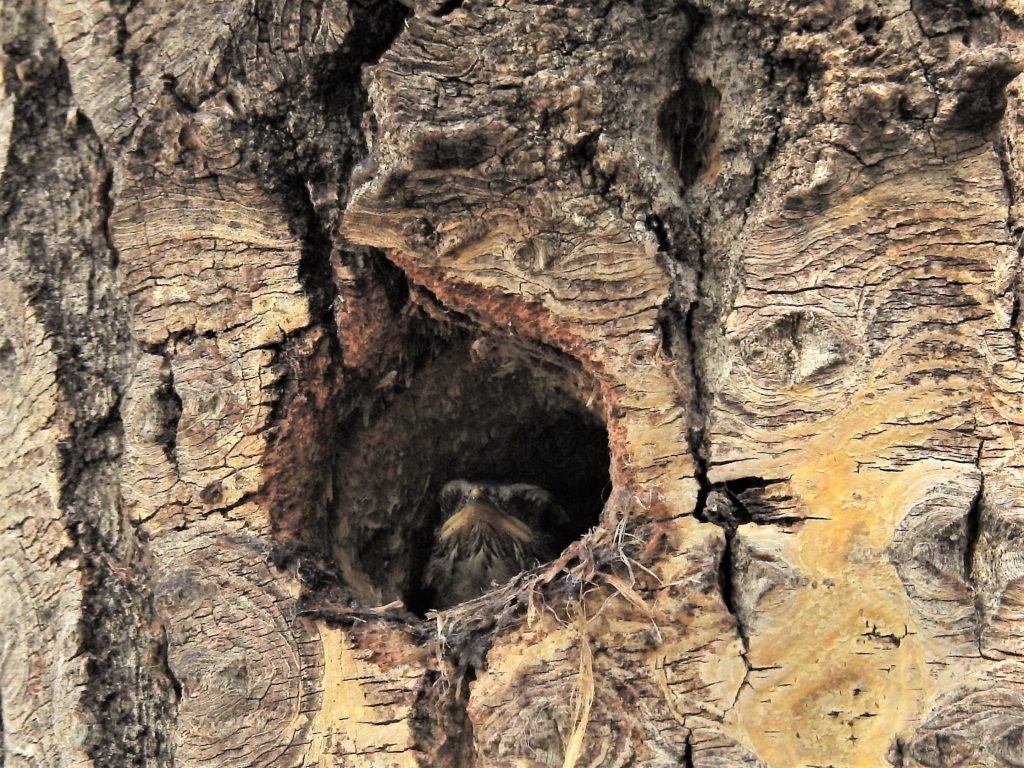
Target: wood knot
x=795, y=348
x=536, y=255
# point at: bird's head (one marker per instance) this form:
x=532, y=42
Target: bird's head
x=521, y=510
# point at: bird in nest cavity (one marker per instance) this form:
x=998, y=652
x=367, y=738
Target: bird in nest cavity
x=489, y=533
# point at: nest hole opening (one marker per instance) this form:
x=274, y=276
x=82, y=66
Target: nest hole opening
x=483, y=409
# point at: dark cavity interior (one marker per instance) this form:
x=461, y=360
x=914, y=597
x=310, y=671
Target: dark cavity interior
x=689, y=127
x=478, y=408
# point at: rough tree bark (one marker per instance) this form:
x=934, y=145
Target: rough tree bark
x=737, y=280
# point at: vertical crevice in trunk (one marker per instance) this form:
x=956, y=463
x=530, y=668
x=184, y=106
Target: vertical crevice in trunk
x=687, y=127
x=698, y=409
x=315, y=271
x=59, y=229
x=1005, y=146
x=311, y=165
x=688, y=752
x=725, y=583
x=443, y=729
x=896, y=756
x=974, y=523
x=972, y=531
x=689, y=124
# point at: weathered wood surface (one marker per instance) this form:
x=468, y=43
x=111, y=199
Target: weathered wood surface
x=774, y=249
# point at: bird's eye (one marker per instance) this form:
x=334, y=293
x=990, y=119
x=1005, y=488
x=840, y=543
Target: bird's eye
x=452, y=496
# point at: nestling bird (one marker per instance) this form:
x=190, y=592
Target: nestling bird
x=491, y=532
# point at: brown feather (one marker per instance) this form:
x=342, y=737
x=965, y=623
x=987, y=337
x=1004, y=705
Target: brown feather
x=480, y=546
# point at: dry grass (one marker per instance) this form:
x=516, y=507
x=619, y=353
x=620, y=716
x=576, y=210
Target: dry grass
x=583, y=696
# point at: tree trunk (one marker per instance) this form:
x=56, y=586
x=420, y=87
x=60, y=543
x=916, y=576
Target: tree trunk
x=735, y=280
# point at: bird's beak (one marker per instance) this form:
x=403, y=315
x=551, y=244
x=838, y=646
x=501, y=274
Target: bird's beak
x=476, y=493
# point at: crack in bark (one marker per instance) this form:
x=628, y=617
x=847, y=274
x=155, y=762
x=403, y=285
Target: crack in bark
x=696, y=434
x=687, y=756
x=441, y=721
x=673, y=317
x=727, y=587
x=1015, y=236
x=172, y=418
x=697, y=439
x=972, y=533
x=1015, y=318
x=127, y=697
x=1003, y=153
x=896, y=756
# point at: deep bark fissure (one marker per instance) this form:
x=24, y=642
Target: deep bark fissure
x=312, y=175
x=687, y=759
x=973, y=525
x=168, y=438
x=163, y=660
x=1015, y=235
x=315, y=271
x=1015, y=324
x=697, y=123
x=896, y=754
x=127, y=697
x=444, y=730
x=727, y=587
x=682, y=143
x=698, y=408
x=1003, y=149
x=697, y=439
